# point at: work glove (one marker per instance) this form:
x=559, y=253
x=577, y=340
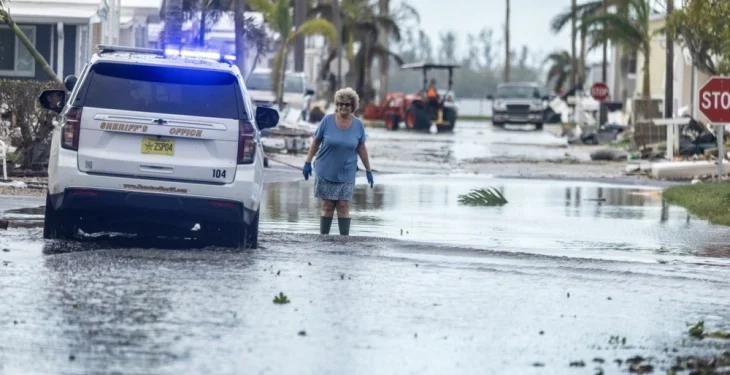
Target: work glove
x=370, y=178
x=307, y=170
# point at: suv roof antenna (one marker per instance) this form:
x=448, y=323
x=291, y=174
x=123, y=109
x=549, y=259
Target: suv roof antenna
x=105, y=48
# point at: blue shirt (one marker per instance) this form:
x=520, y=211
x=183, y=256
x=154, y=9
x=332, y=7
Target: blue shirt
x=337, y=155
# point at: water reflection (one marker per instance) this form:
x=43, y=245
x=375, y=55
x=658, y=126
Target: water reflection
x=539, y=215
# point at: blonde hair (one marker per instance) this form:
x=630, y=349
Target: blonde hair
x=348, y=95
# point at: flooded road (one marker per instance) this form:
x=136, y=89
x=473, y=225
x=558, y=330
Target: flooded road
x=548, y=280
x=557, y=218
x=471, y=140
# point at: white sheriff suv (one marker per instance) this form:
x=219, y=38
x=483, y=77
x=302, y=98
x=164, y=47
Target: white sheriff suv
x=160, y=143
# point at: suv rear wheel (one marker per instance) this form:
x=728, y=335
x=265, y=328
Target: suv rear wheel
x=250, y=234
x=58, y=225
x=244, y=236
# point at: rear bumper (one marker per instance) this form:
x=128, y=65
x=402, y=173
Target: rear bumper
x=109, y=209
x=524, y=117
x=63, y=174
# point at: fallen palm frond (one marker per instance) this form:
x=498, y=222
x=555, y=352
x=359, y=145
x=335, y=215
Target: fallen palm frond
x=483, y=197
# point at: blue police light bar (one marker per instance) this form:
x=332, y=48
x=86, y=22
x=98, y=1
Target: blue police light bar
x=194, y=52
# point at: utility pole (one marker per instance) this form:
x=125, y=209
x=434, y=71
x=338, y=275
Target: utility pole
x=603, y=110
x=669, y=70
x=384, y=59
x=604, y=65
x=300, y=16
x=338, y=26
x=507, y=54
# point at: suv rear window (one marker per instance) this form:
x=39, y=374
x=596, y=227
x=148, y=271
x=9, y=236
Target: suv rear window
x=180, y=91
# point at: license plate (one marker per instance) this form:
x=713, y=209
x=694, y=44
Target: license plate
x=158, y=146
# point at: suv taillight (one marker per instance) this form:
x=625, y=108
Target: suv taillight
x=70, y=131
x=246, y=147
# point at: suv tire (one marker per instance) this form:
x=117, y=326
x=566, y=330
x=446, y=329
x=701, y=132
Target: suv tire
x=57, y=226
x=250, y=234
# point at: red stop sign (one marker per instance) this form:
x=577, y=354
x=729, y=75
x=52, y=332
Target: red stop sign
x=599, y=91
x=714, y=100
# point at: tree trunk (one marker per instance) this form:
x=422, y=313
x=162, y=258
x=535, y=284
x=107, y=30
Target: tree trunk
x=669, y=78
x=646, y=84
x=582, y=61
x=573, y=37
x=239, y=30
x=384, y=60
x=31, y=48
x=173, y=22
x=507, y=54
x=280, y=91
x=279, y=73
x=201, y=29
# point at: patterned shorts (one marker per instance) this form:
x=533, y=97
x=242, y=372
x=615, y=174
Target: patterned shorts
x=333, y=191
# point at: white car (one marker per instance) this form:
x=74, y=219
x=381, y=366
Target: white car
x=296, y=95
x=161, y=143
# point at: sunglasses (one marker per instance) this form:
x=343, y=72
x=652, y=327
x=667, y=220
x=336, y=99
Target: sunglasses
x=344, y=104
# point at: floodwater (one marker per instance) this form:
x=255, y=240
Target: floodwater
x=549, y=279
x=558, y=218
x=470, y=141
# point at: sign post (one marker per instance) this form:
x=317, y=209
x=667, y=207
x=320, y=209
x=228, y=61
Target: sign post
x=600, y=92
x=720, y=151
x=714, y=103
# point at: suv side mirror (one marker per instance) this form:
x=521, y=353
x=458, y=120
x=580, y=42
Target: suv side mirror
x=70, y=82
x=266, y=117
x=490, y=97
x=309, y=92
x=53, y=100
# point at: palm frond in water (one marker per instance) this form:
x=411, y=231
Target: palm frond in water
x=483, y=197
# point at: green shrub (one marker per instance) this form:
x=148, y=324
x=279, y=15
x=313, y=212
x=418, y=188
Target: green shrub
x=24, y=122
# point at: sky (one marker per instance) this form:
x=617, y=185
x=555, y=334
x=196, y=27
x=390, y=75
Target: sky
x=530, y=21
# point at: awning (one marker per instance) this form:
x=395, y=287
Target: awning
x=52, y=13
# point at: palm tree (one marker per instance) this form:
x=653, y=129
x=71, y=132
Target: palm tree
x=174, y=18
x=280, y=20
x=561, y=65
x=582, y=12
x=630, y=27
x=5, y=18
x=361, y=23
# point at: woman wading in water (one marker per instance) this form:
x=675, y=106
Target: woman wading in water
x=338, y=141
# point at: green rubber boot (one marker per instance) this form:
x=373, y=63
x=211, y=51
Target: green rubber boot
x=344, y=224
x=324, y=224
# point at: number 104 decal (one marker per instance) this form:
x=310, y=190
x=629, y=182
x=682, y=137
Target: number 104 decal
x=219, y=173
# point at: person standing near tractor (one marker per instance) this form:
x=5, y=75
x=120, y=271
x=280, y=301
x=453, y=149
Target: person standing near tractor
x=342, y=137
x=432, y=95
